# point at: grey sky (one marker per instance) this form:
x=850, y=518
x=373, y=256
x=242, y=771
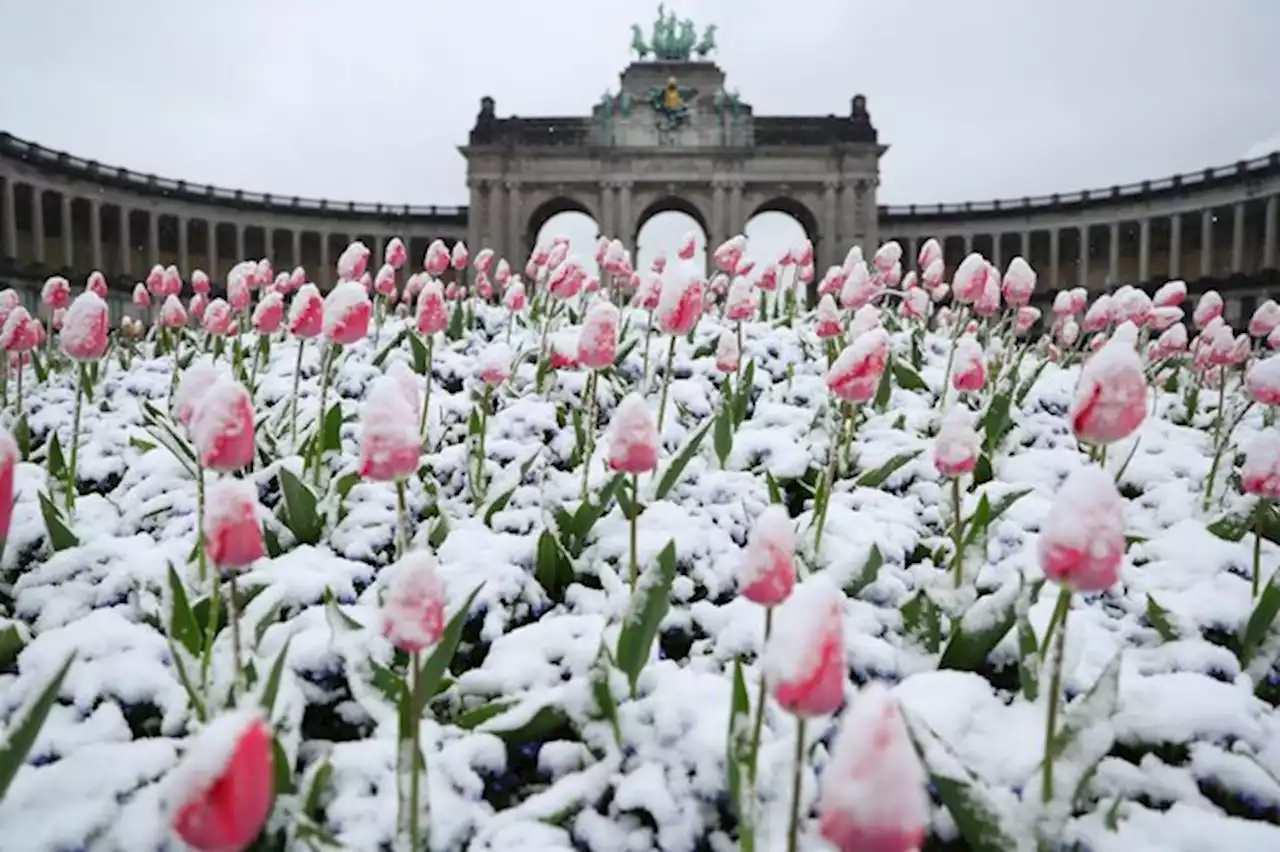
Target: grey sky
x=367, y=101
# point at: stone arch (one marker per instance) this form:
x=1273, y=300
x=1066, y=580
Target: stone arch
x=545, y=208
x=667, y=203
x=796, y=209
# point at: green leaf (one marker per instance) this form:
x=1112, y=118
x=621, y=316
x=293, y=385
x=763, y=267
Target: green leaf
x=11, y=644
x=867, y=576
x=985, y=515
x=338, y=620
x=22, y=437
x=272, y=687
x=41, y=370
x=922, y=620
x=738, y=742
x=671, y=475
x=319, y=780
x=743, y=397
x=22, y=735
x=981, y=628
x=907, y=377
x=479, y=715
x=552, y=566
x=602, y=692
x=545, y=723
x=60, y=536
x=1260, y=621
x=885, y=389
x=1096, y=706
x=995, y=423
x=1020, y=395
x=497, y=505
x=439, y=533
x=876, y=478
x=1028, y=660
x=648, y=607
x=331, y=435
x=723, y=437
x=454, y=331
x=300, y=513
x=1158, y=617
x=57, y=464
x=141, y=444
x=281, y=770
x=775, y=493
x=1235, y=524
x=194, y=694
x=437, y=664
x=182, y=621
x=271, y=542
x=392, y=345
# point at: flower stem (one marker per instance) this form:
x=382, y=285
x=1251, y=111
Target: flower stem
x=1257, y=545
x=415, y=737
x=201, y=557
x=402, y=518
x=644, y=370
x=1218, y=440
x=293, y=399
x=426, y=394
x=957, y=559
x=666, y=383
x=318, y=449
x=478, y=491
x=635, y=520
x=233, y=616
x=797, y=774
x=753, y=756
x=1055, y=688
x=75, y=438
x=589, y=430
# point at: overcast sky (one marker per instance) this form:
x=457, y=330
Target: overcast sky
x=367, y=101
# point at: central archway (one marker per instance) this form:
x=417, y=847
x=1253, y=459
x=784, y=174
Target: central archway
x=663, y=225
x=564, y=216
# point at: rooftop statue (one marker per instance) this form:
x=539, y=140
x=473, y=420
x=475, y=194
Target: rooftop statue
x=672, y=40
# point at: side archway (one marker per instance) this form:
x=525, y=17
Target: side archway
x=663, y=225
x=564, y=216
x=776, y=227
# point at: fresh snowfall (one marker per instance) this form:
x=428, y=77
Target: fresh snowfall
x=529, y=560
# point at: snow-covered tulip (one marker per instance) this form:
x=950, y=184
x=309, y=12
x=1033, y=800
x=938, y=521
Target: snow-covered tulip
x=1172, y=340
x=1209, y=308
x=502, y=273
x=195, y=380
x=395, y=254
x=859, y=287
x=1025, y=319
x=598, y=341
x=1099, y=314
x=84, y=328
x=1110, y=402
x=436, y=260
x=223, y=787
x=970, y=278
x=221, y=426
x=633, y=437
x=987, y=304
x=887, y=255
x=493, y=367
x=141, y=298
x=829, y=323
x=483, y=261
x=9, y=457
x=56, y=292
x=413, y=604
x=930, y=252
x=728, y=355
x=1129, y=304
x=20, y=331
x=96, y=283
x=1081, y=543
x=172, y=314
x=1170, y=295
x=915, y=304
x=1265, y=319
x=956, y=449
x=970, y=370
x=855, y=375
x=1069, y=333
x=1164, y=317
x=459, y=256
x=514, y=298
x=217, y=318
x=232, y=534
x=352, y=261
x=680, y=304
x=873, y=796
x=1063, y=304
x=728, y=255
x=269, y=313
x=432, y=314
x=196, y=306
x=1019, y=282
x=564, y=354
x=768, y=568
x=200, y=282
x=1260, y=474
x=1263, y=381
x=688, y=246
x=804, y=661
x=390, y=443
x=306, y=312
x=740, y=303
x=346, y=313
x=384, y=283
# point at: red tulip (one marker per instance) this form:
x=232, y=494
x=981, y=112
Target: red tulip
x=680, y=304
x=804, y=660
x=873, y=795
x=688, y=247
x=433, y=316
x=346, y=313
x=352, y=261
x=390, y=444
x=269, y=314
x=598, y=341
x=970, y=372
x=96, y=284
x=9, y=457
x=633, y=437
x=217, y=318
x=1209, y=308
x=514, y=299
x=172, y=314
x=232, y=534
x=855, y=375
x=84, y=328
x=413, y=607
x=1260, y=474
x=56, y=292
x=395, y=254
x=141, y=298
x=564, y=355
x=1081, y=542
x=221, y=426
x=727, y=354
x=1111, y=395
x=224, y=785
x=830, y=323
x=768, y=571
x=20, y=332
x=956, y=449
x=1019, y=282
x=458, y=257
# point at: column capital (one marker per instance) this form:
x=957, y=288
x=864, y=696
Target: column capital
x=830, y=185
x=513, y=185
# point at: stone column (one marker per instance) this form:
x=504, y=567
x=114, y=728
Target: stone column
x=607, y=212
x=184, y=254
x=379, y=252
x=1175, y=245
x=95, y=231
x=514, y=243
x=239, y=242
x=1082, y=270
x=325, y=270
x=212, y=229
x=10, y=220
x=1269, y=238
x=122, y=242
x=995, y=250
x=1206, y=242
x=1144, y=250
x=296, y=246
x=476, y=213
x=718, y=231
x=153, y=238
x=871, y=215
x=494, y=238
x=830, y=229
x=1054, y=258
x=1113, y=259
x=37, y=223
x=968, y=244
x=736, y=222
x=68, y=242
x=1237, y=238
x=848, y=217
x=626, y=218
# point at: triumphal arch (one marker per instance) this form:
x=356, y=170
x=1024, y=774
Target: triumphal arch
x=673, y=136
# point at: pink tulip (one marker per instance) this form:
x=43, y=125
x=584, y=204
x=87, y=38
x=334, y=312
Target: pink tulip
x=217, y=318
x=633, y=437
x=1209, y=308
x=436, y=260
x=385, y=282
x=872, y=796
x=956, y=449
x=1110, y=400
x=224, y=786
x=432, y=315
x=1019, y=282
x=493, y=367
x=200, y=282
x=484, y=287
x=855, y=375
x=1263, y=381
x=84, y=328
x=727, y=355
x=1165, y=317
x=171, y=284
x=96, y=283
x=803, y=254
x=221, y=426
x=261, y=274
x=269, y=314
x=649, y=293
x=306, y=312
x=1170, y=295
x=502, y=274
x=239, y=292
x=970, y=371
x=804, y=659
x=391, y=443
x=352, y=261
x=598, y=341
x=1081, y=542
x=860, y=288
x=197, y=306
x=9, y=457
x=395, y=253
x=887, y=255
x=970, y=278
x=915, y=304
x=988, y=302
x=484, y=260
x=141, y=298
x=769, y=277
x=616, y=260
x=740, y=303
x=20, y=333
x=688, y=247
x=458, y=257
x=194, y=382
x=930, y=252
x=768, y=569
x=1265, y=319
x=829, y=322
x=1172, y=341
x=232, y=534
x=1026, y=318
x=56, y=292
x=564, y=355
x=1129, y=304
x=346, y=313
x=57, y=318
x=729, y=254
x=1260, y=474
x=1063, y=303
x=1099, y=315
x=804, y=274
x=413, y=606
x=514, y=299
x=680, y=305
x=172, y=314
